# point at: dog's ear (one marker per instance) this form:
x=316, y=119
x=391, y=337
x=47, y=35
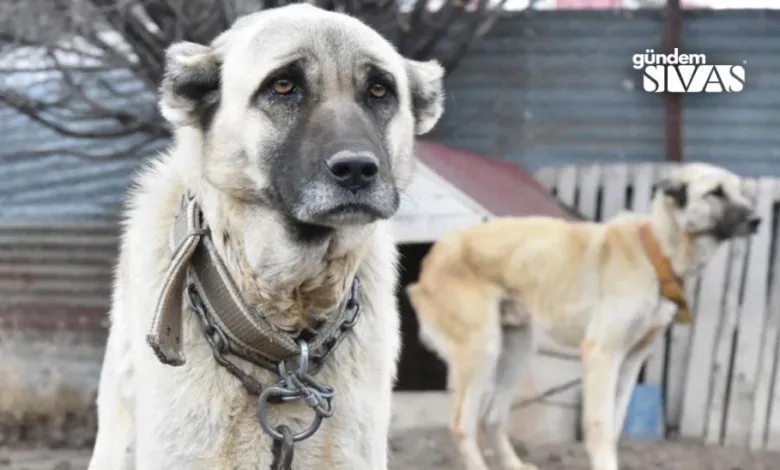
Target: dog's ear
x=676, y=190
x=426, y=82
x=189, y=93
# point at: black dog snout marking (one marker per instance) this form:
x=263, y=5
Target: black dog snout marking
x=353, y=171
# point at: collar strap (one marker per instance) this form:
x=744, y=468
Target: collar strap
x=671, y=284
x=196, y=265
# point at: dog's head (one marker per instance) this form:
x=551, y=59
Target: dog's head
x=709, y=201
x=309, y=112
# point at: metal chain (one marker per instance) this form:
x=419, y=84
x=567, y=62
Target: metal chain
x=283, y=450
x=219, y=343
x=293, y=384
x=351, y=304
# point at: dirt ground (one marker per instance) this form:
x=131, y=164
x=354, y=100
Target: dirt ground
x=431, y=449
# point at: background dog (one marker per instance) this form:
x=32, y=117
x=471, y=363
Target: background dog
x=294, y=130
x=483, y=291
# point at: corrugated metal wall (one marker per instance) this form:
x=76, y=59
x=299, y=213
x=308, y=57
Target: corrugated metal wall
x=557, y=87
x=738, y=130
x=56, y=275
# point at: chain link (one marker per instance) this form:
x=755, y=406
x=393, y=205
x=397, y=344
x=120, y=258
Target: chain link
x=283, y=450
x=218, y=342
x=346, y=325
x=294, y=383
x=293, y=386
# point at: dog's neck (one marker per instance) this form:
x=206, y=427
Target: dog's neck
x=688, y=254
x=293, y=283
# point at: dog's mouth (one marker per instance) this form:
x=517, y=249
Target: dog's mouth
x=352, y=213
x=328, y=205
x=747, y=228
x=728, y=229
x=347, y=212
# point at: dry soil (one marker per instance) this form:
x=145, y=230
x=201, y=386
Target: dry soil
x=431, y=449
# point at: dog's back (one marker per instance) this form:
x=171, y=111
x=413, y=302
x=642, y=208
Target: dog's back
x=552, y=266
x=461, y=281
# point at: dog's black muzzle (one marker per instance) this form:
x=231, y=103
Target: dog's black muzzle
x=737, y=221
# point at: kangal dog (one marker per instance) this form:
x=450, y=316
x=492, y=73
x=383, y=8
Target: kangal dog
x=294, y=134
x=483, y=291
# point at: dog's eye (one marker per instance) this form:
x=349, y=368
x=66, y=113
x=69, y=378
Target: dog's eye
x=283, y=86
x=377, y=90
x=718, y=192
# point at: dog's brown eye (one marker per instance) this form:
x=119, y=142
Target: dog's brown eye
x=378, y=90
x=283, y=86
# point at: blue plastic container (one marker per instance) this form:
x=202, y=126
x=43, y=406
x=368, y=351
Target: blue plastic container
x=645, y=417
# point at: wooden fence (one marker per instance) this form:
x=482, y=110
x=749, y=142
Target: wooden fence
x=720, y=375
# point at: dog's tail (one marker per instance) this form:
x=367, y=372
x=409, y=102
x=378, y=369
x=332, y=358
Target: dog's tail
x=426, y=333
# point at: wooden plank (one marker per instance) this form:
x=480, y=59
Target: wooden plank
x=613, y=200
x=590, y=180
x=666, y=169
x=773, y=419
x=708, y=307
x=679, y=351
x=547, y=177
x=643, y=179
x=773, y=427
x=757, y=298
x=741, y=402
x=567, y=184
x=723, y=343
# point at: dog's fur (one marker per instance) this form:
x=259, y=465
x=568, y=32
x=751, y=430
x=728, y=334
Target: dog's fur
x=483, y=291
x=292, y=237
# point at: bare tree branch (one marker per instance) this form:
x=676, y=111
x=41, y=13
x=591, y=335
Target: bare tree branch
x=89, y=69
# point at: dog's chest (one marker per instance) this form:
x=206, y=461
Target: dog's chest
x=199, y=417
x=220, y=430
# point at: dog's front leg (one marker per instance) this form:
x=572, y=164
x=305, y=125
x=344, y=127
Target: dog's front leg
x=600, y=366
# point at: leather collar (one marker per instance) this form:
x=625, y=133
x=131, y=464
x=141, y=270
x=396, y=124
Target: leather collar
x=196, y=264
x=671, y=284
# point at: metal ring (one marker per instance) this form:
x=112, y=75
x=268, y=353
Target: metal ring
x=352, y=321
x=303, y=358
x=262, y=414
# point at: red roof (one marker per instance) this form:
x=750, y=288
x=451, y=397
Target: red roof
x=503, y=188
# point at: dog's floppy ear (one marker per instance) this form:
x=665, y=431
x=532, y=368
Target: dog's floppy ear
x=426, y=81
x=676, y=190
x=190, y=85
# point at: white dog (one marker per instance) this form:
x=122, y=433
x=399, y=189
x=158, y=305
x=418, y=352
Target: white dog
x=483, y=291
x=294, y=134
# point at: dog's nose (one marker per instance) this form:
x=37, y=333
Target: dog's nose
x=354, y=171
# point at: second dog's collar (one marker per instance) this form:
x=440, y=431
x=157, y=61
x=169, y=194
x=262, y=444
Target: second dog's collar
x=671, y=285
